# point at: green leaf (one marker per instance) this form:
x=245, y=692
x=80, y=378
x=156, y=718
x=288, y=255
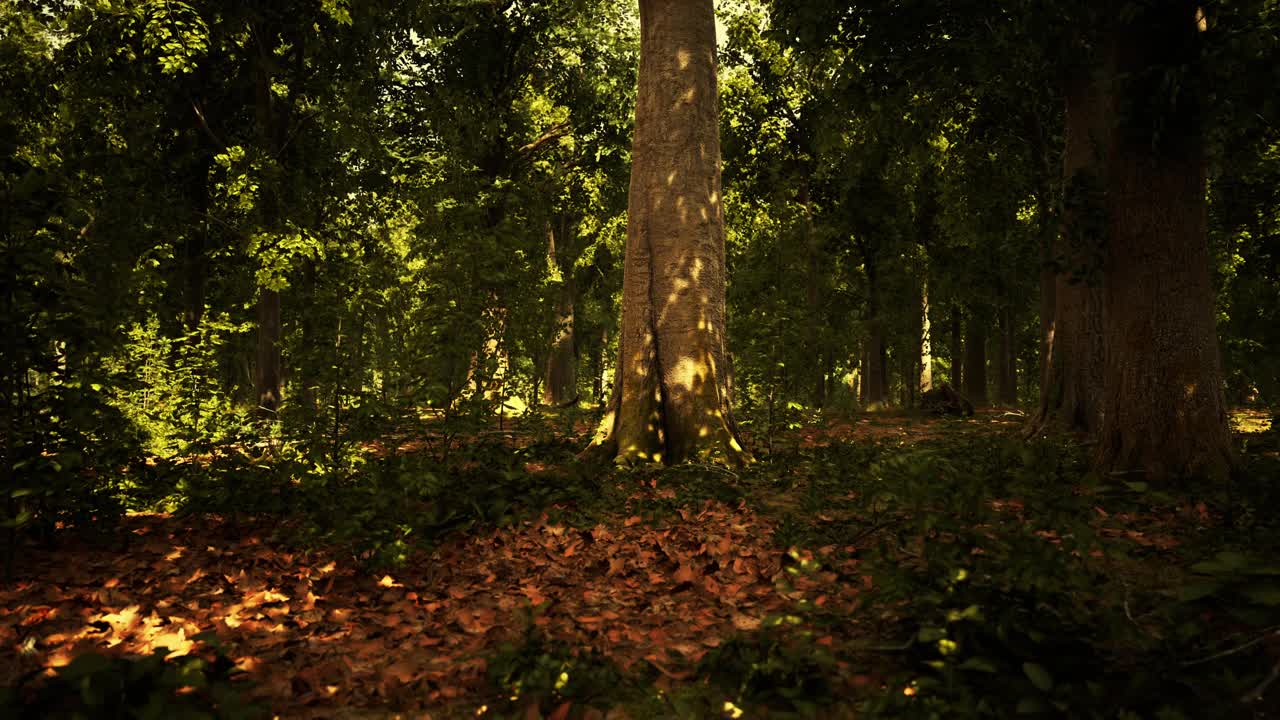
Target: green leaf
x=1038, y=675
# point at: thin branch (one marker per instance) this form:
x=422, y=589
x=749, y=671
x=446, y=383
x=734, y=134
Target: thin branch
x=1274, y=630
x=204, y=125
x=555, y=132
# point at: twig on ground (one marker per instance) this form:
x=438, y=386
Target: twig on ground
x=1273, y=630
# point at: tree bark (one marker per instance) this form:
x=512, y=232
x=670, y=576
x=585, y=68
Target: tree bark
x=271, y=122
x=813, y=297
x=957, y=352
x=1164, y=414
x=975, y=361
x=1008, y=380
x=1047, y=227
x=1071, y=386
x=876, y=377
x=561, y=379
x=926, y=341
x=269, y=366
x=672, y=392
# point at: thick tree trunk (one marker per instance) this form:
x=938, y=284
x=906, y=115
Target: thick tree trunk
x=975, y=361
x=1164, y=414
x=561, y=380
x=1071, y=387
x=671, y=394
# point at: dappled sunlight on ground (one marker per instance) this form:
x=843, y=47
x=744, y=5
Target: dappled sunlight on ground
x=315, y=633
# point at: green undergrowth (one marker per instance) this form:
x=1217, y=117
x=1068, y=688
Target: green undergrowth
x=1006, y=582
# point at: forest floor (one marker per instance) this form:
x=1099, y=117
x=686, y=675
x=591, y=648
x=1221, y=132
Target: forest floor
x=672, y=576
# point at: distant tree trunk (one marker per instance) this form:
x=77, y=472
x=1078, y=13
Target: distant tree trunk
x=599, y=373
x=876, y=371
x=194, y=254
x=490, y=365
x=813, y=297
x=1008, y=381
x=926, y=341
x=1071, y=389
x=561, y=381
x=1164, y=414
x=271, y=121
x=671, y=397
x=1047, y=227
x=956, y=350
x=975, y=361
x=269, y=367
x=305, y=382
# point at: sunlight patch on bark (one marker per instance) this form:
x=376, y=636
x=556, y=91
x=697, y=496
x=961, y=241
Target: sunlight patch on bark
x=689, y=372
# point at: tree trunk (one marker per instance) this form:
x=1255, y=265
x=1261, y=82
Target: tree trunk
x=269, y=367
x=671, y=394
x=813, y=297
x=599, y=372
x=1008, y=381
x=926, y=341
x=1047, y=227
x=561, y=380
x=1164, y=413
x=877, y=379
x=1071, y=389
x=957, y=352
x=975, y=361
x=270, y=121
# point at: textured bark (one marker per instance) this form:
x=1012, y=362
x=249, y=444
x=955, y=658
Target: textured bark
x=975, y=361
x=1164, y=411
x=1071, y=386
x=561, y=379
x=671, y=397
